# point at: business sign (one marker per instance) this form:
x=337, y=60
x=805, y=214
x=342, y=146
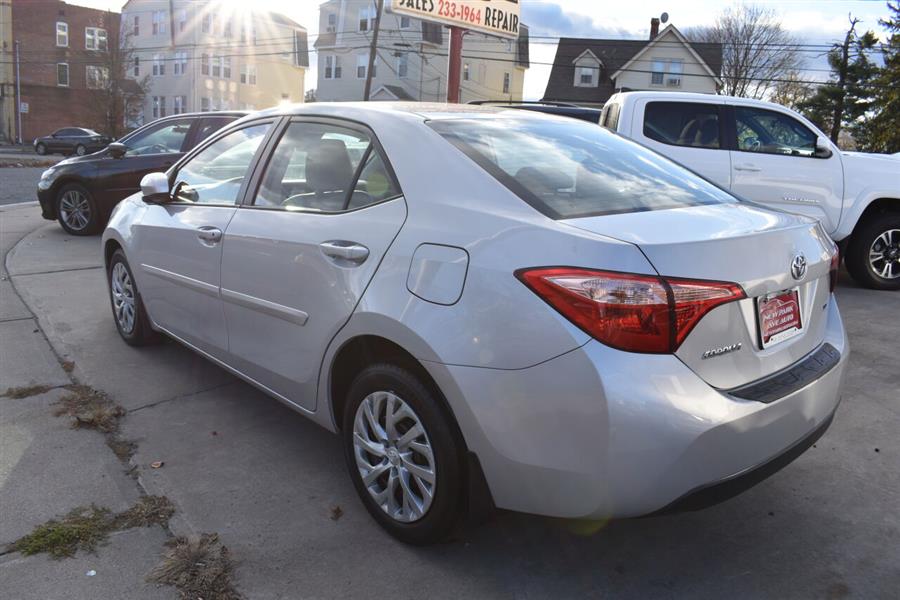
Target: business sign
x=494, y=17
x=23, y=107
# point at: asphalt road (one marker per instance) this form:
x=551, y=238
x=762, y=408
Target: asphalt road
x=267, y=480
x=19, y=184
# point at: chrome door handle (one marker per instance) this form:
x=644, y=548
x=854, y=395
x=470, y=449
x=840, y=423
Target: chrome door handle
x=348, y=251
x=210, y=235
x=751, y=168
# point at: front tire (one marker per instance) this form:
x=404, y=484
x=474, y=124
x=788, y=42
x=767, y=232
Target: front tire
x=80, y=150
x=128, y=309
x=404, y=454
x=76, y=210
x=41, y=149
x=873, y=255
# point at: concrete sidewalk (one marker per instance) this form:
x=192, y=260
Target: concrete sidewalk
x=268, y=481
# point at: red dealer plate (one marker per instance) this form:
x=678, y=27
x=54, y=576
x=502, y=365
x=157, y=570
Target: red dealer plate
x=779, y=316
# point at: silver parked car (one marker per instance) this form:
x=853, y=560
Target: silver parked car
x=490, y=306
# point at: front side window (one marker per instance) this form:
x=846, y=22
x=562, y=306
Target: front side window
x=215, y=175
x=166, y=138
x=576, y=169
x=683, y=124
x=210, y=126
x=62, y=34
x=314, y=168
x=770, y=132
x=95, y=38
x=62, y=74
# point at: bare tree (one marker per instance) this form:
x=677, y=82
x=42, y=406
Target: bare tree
x=792, y=91
x=117, y=98
x=756, y=49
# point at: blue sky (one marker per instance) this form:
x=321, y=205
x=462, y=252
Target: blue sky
x=812, y=21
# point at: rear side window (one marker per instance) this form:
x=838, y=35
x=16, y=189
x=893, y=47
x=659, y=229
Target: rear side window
x=683, y=124
x=568, y=169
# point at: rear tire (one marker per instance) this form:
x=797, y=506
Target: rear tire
x=873, y=254
x=41, y=149
x=76, y=210
x=398, y=494
x=80, y=150
x=128, y=310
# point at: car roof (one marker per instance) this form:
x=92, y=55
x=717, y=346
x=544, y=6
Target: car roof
x=697, y=97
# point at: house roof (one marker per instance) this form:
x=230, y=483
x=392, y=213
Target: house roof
x=678, y=35
x=614, y=54
x=396, y=91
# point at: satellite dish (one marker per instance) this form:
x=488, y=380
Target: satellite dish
x=664, y=17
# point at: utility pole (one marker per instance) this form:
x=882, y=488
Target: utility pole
x=455, y=66
x=18, y=94
x=379, y=7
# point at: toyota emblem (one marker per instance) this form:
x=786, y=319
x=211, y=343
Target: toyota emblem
x=798, y=267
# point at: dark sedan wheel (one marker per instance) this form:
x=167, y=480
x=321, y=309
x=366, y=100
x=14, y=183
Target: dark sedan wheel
x=128, y=309
x=404, y=454
x=873, y=256
x=76, y=210
x=41, y=149
x=80, y=150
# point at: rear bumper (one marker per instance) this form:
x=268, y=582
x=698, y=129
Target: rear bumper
x=599, y=433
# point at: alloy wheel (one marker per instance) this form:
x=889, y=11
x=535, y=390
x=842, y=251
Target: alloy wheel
x=884, y=254
x=394, y=456
x=122, y=297
x=75, y=210
x=80, y=150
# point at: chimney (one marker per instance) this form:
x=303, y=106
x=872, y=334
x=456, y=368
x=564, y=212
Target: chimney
x=654, y=27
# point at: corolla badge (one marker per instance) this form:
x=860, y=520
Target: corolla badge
x=798, y=267
x=721, y=350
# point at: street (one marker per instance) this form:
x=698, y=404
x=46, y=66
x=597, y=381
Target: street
x=19, y=184
x=273, y=486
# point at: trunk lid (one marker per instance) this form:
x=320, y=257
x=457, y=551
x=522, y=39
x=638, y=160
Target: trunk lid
x=744, y=244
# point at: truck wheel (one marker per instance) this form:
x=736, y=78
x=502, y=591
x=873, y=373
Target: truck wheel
x=873, y=255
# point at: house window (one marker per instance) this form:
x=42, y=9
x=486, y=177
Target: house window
x=402, y=65
x=226, y=28
x=96, y=77
x=248, y=74
x=366, y=18
x=204, y=64
x=136, y=68
x=62, y=74
x=362, y=61
x=159, y=65
x=204, y=104
x=586, y=76
x=666, y=72
x=206, y=23
x=179, y=105
x=658, y=72
x=159, y=106
x=675, y=70
x=159, y=22
x=332, y=67
x=62, y=34
x=95, y=38
x=506, y=83
x=136, y=26
x=226, y=67
x=180, y=66
x=404, y=22
x=465, y=71
x=182, y=20
x=331, y=27
x=216, y=66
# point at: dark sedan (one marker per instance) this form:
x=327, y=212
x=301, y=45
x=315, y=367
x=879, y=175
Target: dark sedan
x=80, y=192
x=71, y=140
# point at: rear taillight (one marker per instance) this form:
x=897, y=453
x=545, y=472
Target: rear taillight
x=833, y=270
x=637, y=313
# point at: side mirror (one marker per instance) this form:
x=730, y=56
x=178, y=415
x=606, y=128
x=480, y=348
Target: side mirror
x=117, y=150
x=155, y=188
x=823, y=147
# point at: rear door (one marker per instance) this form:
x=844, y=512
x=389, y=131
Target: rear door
x=299, y=255
x=691, y=133
x=774, y=162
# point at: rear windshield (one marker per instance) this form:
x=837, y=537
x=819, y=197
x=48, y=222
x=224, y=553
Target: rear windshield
x=569, y=168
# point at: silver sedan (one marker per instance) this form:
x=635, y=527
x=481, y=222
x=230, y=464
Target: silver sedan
x=491, y=307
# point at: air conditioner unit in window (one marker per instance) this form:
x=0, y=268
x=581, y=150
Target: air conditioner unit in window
x=673, y=82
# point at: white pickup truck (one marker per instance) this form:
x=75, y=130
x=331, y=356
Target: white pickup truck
x=769, y=154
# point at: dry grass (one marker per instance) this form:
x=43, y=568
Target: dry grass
x=18, y=393
x=123, y=449
x=199, y=566
x=87, y=527
x=90, y=408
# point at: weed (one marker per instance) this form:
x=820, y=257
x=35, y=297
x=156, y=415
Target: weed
x=83, y=528
x=123, y=449
x=150, y=510
x=90, y=408
x=17, y=393
x=199, y=566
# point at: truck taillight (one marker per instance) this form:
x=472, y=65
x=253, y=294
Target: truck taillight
x=637, y=313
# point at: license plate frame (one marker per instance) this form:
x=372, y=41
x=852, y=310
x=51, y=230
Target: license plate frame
x=776, y=303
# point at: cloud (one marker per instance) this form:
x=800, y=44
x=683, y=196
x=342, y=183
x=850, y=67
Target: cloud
x=552, y=20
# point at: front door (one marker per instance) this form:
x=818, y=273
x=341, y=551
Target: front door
x=298, y=258
x=179, y=244
x=775, y=163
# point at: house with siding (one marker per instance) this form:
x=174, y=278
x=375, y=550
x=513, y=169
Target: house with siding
x=589, y=71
